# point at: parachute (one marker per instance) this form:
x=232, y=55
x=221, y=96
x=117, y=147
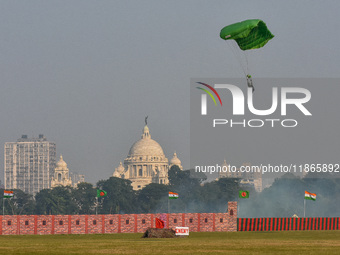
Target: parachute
x=249, y=34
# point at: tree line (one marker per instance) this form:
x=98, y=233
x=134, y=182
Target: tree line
x=121, y=198
x=284, y=198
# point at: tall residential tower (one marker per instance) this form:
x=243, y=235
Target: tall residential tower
x=29, y=164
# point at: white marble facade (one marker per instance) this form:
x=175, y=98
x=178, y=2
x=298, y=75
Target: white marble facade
x=146, y=163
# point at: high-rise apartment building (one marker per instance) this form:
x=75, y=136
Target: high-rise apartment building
x=29, y=164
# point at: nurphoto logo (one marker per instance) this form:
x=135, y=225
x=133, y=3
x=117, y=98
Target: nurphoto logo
x=238, y=104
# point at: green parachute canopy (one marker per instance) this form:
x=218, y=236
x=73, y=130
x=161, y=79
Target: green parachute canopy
x=249, y=34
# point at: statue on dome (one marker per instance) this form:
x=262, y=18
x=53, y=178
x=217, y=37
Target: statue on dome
x=146, y=120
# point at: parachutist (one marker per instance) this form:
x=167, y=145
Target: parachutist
x=248, y=34
x=250, y=82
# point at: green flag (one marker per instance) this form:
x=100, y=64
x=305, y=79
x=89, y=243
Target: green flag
x=243, y=194
x=101, y=193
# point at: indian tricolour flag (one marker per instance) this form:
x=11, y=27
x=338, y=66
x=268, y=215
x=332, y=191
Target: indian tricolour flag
x=173, y=195
x=8, y=193
x=310, y=196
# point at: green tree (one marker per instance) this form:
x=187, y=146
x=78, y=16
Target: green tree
x=184, y=179
x=215, y=195
x=20, y=203
x=189, y=186
x=121, y=198
x=65, y=202
x=153, y=198
x=45, y=202
x=58, y=200
x=85, y=198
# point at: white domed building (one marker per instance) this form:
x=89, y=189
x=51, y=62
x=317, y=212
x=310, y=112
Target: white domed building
x=146, y=163
x=61, y=174
x=175, y=161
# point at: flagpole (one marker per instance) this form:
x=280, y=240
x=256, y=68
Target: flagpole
x=96, y=205
x=304, y=208
x=168, y=205
x=238, y=212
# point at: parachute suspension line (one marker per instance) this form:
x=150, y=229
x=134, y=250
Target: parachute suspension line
x=247, y=63
x=239, y=56
x=235, y=51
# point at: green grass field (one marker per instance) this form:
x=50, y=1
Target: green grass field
x=287, y=242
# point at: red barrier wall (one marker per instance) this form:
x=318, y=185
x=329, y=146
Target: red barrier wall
x=43, y=224
x=10, y=225
x=95, y=224
x=144, y=221
x=77, y=224
x=111, y=221
x=281, y=224
x=61, y=224
x=191, y=221
x=27, y=225
x=115, y=223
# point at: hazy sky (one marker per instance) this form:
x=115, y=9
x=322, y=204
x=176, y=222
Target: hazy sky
x=86, y=73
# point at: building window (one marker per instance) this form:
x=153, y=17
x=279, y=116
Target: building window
x=94, y=222
x=206, y=220
x=111, y=222
x=143, y=221
x=127, y=222
x=231, y=212
x=26, y=223
x=9, y=223
x=140, y=172
x=44, y=222
x=190, y=220
x=61, y=223
x=221, y=220
x=77, y=222
x=175, y=220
